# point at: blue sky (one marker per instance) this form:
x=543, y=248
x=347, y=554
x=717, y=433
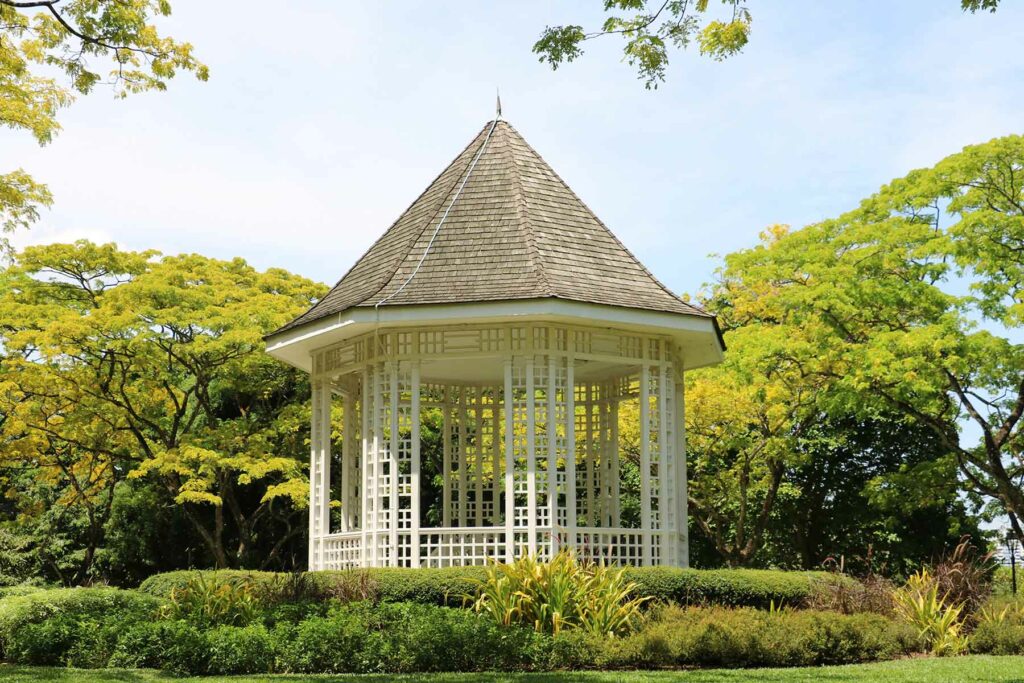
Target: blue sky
x=323, y=120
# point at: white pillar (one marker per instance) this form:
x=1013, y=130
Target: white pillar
x=552, y=432
x=510, y=464
x=446, y=460
x=319, y=470
x=414, y=482
x=666, y=471
x=393, y=467
x=645, y=463
x=681, y=476
x=531, y=458
x=570, y=450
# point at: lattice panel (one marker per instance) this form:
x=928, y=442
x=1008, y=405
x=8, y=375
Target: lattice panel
x=553, y=416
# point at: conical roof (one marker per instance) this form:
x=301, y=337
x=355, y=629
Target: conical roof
x=514, y=231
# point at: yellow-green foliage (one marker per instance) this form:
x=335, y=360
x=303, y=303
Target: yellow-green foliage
x=716, y=636
x=939, y=624
x=563, y=593
x=208, y=601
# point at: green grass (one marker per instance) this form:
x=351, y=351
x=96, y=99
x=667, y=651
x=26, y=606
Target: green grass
x=954, y=670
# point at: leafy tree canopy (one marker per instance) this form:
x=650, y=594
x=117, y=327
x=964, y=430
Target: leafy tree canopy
x=51, y=50
x=652, y=28
x=131, y=364
x=911, y=303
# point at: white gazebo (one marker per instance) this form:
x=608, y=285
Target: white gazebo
x=480, y=352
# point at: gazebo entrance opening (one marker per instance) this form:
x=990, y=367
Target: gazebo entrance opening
x=467, y=443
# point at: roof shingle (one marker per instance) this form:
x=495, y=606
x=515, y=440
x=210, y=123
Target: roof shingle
x=515, y=232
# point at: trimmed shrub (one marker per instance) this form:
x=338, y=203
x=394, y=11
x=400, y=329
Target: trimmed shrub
x=744, y=637
x=448, y=586
x=177, y=647
x=997, y=639
x=161, y=585
x=759, y=588
x=245, y=650
x=59, y=625
x=403, y=638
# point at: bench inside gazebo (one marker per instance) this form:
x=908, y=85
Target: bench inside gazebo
x=481, y=352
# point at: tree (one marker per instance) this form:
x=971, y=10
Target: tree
x=651, y=29
x=82, y=40
x=910, y=303
x=874, y=495
x=131, y=365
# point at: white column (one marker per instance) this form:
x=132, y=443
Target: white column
x=666, y=470
x=645, y=462
x=478, y=455
x=496, y=468
x=367, y=467
x=613, y=417
x=531, y=459
x=315, y=470
x=462, y=456
x=446, y=460
x=393, y=467
x=552, y=432
x=414, y=498
x=681, y=480
x=348, y=456
x=510, y=464
x=570, y=450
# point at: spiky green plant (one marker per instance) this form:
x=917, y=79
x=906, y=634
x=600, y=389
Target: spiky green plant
x=208, y=601
x=563, y=593
x=939, y=624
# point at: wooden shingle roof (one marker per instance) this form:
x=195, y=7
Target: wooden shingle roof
x=516, y=231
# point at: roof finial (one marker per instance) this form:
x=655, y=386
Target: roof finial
x=498, y=91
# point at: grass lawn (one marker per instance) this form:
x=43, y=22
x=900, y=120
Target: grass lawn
x=956, y=670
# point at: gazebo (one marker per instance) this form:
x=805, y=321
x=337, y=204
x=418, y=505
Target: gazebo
x=481, y=352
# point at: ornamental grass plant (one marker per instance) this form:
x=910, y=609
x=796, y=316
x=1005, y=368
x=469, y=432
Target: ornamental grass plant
x=560, y=594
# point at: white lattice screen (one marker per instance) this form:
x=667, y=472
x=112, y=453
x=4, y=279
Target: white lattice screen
x=527, y=455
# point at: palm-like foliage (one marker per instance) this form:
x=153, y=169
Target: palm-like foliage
x=938, y=621
x=563, y=593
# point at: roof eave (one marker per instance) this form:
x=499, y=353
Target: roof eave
x=698, y=335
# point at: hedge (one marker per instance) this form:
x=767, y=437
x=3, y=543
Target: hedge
x=59, y=625
x=745, y=637
x=729, y=587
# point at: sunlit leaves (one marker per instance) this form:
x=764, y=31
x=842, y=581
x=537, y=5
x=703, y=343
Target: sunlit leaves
x=650, y=30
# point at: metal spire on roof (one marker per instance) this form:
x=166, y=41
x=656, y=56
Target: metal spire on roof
x=496, y=90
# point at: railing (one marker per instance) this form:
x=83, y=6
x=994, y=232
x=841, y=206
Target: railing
x=341, y=551
x=464, y=546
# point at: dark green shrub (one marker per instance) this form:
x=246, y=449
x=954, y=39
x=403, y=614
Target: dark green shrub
x=177, y=647
x=45, y=626
x=746, y=637
x=235, y=650
x=997, y=639
x=730, y=587
x=161, y=585
x=727, y=587
x=331, y=644
x=185, y=650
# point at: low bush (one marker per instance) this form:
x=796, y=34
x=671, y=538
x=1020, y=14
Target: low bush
x=744, y=637
x=404, y=637
x=728, y=587
x=759, y=588
x=240, y=650
x=1000, y=627
x=59, y=625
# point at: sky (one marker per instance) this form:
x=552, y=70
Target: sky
x=322, y=121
